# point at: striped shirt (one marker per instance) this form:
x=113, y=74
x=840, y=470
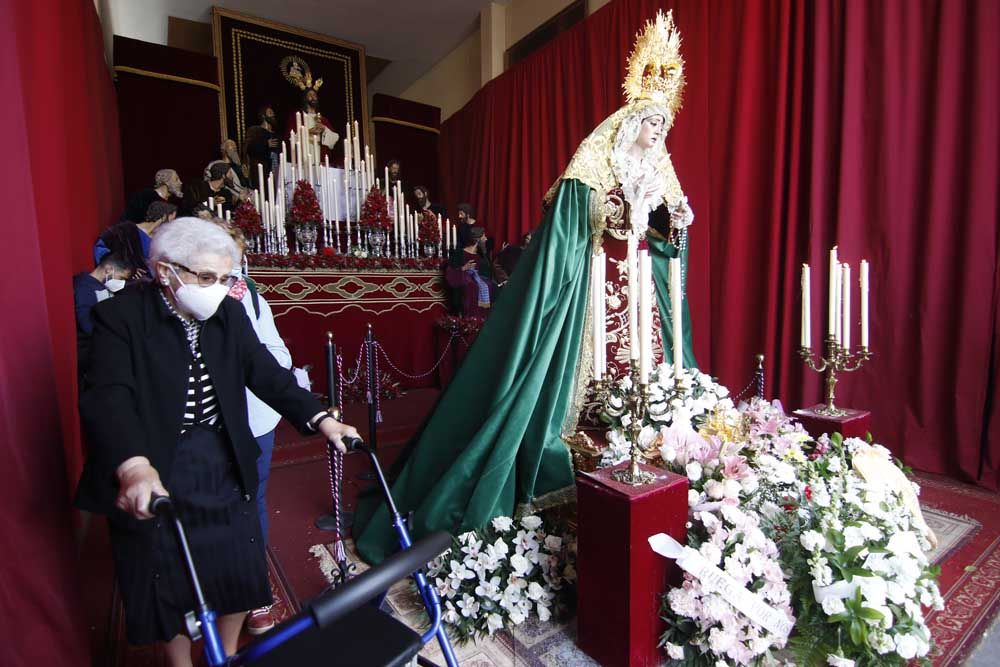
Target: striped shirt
x=200, y=406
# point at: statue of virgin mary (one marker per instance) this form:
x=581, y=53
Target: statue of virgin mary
x=494, y=444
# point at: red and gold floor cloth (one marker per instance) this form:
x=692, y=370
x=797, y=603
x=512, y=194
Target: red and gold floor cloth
x=401, y=306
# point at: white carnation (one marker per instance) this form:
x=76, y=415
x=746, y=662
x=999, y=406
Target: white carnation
x=531, y=522
x=502, y=524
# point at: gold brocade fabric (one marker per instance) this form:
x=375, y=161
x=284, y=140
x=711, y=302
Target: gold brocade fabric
x=591, y=164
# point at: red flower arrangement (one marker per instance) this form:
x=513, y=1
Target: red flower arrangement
x=461, y=326
x=247, y=219
x=305, y=206
x=357, y=392
x=375, y=212
x=343, y=262
x=427, y=228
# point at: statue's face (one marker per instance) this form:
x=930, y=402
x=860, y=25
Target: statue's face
x=312, y=98
x=650, y=132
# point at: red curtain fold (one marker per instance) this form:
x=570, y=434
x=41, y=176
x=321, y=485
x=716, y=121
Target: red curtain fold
x=62, y=180
x=867, y=125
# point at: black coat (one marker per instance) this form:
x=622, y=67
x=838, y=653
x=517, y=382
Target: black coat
x=137, y=385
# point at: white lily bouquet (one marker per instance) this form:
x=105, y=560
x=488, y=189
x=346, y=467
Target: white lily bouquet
x=499, y=576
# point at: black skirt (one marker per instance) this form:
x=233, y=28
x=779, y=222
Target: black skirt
x=223, y=531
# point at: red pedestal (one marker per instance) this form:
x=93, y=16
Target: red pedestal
x=855, y=424
x=621, y=580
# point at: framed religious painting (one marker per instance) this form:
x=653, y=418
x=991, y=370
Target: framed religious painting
x=263, y=63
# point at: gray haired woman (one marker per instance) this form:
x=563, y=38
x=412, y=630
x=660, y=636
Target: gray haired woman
x=165, y=412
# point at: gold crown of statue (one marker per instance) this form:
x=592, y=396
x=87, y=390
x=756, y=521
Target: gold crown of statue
x=655, y=67
x=296, y=71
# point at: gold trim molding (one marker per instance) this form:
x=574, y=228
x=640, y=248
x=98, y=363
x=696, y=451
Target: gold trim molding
x=405, y=123
x=167, y=77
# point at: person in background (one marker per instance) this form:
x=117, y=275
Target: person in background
x=167, y=186
x=468, y=275
x=237, y=178
x=423, y=198
x=263, y=419
x=131, y=241
x=212, y=189
x=395, y=172
x=506, y=260
x=467, y=218
x=262, y=144
x=89, y=289
x=158, y=422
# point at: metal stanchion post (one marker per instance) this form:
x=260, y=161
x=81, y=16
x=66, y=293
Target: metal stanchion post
x=372, y=397
x=329, y=521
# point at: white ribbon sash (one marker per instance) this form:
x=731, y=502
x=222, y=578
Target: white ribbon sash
x=714, y=579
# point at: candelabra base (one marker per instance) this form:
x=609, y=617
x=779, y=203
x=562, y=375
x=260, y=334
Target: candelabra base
x=633, y=476
x=850, y=424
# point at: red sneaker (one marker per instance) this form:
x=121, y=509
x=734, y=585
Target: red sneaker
x=260, y=621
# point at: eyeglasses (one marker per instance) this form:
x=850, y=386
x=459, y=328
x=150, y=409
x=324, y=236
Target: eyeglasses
x=208, y=278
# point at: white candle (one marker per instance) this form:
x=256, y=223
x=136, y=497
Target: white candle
x=219, y=208
x=357, y=202
x=632, y=258
x=602, y=315
x=845, y=295
x=595, y=276
x=832, y=306
x=336, y=211
x=454, y=236
x=355, y=146
x=347, y=148
x=440, y=238
x=645, y=317
x=677, y=314
x=347, y=207
x=806, y=337
x=837, y=310
x=864, y=303
x=386, y=181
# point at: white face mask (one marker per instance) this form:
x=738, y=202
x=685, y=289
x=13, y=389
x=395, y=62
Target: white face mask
x=114, y=284
x=201, y=302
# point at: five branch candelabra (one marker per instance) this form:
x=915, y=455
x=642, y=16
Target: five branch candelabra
x=839, y=359
x=634, y=404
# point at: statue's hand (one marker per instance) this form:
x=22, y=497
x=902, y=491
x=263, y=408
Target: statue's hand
x=681, y=215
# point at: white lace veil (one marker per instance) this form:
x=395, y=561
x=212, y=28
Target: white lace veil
x=628, y=170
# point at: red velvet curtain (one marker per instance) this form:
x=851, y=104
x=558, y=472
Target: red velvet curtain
x=61, y=183
x=867, y=125
x=408, y=131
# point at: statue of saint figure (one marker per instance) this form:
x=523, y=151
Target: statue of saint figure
x=494, y=444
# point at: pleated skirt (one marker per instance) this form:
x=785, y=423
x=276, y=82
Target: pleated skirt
x=223, y=531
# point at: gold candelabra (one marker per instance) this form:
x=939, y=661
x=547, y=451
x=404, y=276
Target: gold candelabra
x=635, y=402
x=838, y=360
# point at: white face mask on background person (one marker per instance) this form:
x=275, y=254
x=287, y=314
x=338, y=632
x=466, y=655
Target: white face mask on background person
x=114, y=284
x=200, y=302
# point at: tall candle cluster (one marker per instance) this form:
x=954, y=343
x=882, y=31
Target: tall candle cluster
x=839, y=323
x=300, y=159
x=641, y=301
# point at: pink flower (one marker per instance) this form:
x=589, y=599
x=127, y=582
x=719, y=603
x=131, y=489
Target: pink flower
x=734, y=467
x=682, y=444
